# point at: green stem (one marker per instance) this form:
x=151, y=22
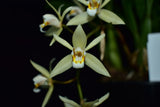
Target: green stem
x=93, y=32
x=66, y=27
x=79, y=86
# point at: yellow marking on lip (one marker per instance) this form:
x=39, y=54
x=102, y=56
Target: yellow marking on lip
x=93, y=5
x=44, y=24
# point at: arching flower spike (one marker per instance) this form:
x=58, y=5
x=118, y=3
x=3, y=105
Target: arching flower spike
x=79, y=56
x=95, y=8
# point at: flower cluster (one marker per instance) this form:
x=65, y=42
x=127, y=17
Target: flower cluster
x=79, y=57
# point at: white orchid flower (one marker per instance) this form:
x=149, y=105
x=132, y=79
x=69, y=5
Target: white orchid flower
x=70, y=103
x=79, y=56
x=74, y=11
x=42, y=79
x=54, y=22
x=95, y=8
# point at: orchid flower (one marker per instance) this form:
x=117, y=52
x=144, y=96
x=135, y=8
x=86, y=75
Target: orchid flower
x=95, y=8
x=79, y=56
x=75, y=11
x=70, y=103
x=54, y=22
x=42, y=79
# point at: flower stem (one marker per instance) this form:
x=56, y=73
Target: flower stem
x=66, y=27
x=79, y=86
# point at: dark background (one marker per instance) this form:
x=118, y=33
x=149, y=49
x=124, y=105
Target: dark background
x=21, y=41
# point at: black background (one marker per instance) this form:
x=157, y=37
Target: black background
x=21, y=41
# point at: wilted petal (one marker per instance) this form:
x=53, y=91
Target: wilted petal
x=83, y=2
x=41, y=69
x=104, y=3
x=110, y=17
x=63, y=65
x=95, y=42
x=101, y=100
x=68, y=103
x=96, y=65
x=102, y=48
x=63, y=42
x=80, y=19
x=79, y=38
x=48, y=95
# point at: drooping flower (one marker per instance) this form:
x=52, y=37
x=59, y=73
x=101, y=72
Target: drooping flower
x=54, y=22
x=79, y=56
x=42, y=79
x=70, y=103
x=95, y=8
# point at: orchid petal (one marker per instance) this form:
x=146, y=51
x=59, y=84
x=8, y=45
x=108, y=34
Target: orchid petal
x=95, y=42
x=65, y=12
x=63, y=42
x=104, y=3
x=96, y=65
x=82, y=18
x=53, y=30
x=79, y=38
x=63, y=65
x=110, y=17
x=48, y=95
x=58, y=32
x=41, y=69
x=69, y=102
x=101, y=100
x=83, y=2
x=59, y=16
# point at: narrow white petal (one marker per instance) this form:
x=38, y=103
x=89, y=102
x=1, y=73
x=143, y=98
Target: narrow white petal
x=104, y=3
x=79, y=38
x=63, y=65
x=96, y=65
x=48, y=95
x=110, y=17
x=69, y=102
x=63, y=42
x=41, y=69
x=83, y=2
x=82, y=18
x=102, y=99
x=95, y=42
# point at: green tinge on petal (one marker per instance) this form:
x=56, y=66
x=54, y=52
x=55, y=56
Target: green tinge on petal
x=110, y=17
x=83, y=2
x=79, y=38
x=41, y=69
x=95, y=42
x=96, y=65
x=58, y=32
x=80, y=19
x=53, y=30
x=69, y=102
x=63, y=65
x=104, y=3
x=63, y=42
x=102, y=99
x=48, y=95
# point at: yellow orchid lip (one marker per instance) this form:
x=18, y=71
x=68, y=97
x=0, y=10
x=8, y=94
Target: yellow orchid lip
x=44, y=24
